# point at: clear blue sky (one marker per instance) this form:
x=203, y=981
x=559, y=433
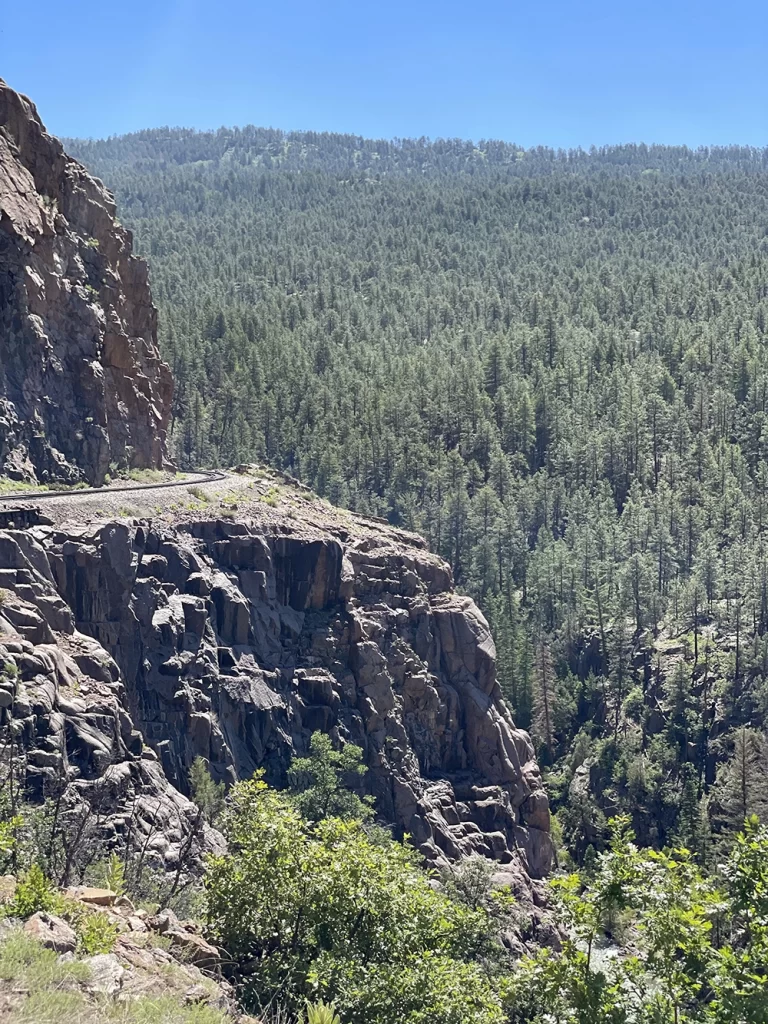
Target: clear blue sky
x=555, y=72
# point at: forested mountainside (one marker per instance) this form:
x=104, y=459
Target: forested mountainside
x=554, y=366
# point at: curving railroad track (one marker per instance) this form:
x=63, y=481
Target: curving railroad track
x=190, y=480
x=119, y=499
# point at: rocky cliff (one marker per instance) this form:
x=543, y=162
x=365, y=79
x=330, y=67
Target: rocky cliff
x=82, y=385
x=142, y=643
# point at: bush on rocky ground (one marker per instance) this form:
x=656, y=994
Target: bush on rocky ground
x=305, y=908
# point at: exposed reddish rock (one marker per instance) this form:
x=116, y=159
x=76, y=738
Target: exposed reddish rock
x=82, y=385
x=93, y=896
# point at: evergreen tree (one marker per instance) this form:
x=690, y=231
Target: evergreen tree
x=742, y=783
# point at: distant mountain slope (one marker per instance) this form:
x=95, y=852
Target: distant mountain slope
x=553, y=364
x=271, y=149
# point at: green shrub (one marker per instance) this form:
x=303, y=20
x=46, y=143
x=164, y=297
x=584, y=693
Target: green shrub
x=34, y=892
x=319, y=909
x=320, y=1013
x=96, y=933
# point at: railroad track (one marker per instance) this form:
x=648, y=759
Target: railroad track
x=201, y=476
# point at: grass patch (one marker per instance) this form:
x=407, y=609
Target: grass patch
x=8, y=486
x=198, y=493
x=49, y=993
x=53, y=1007
x=29, y=965
x=272, y=496
x=149, y=476
x=163, y=1010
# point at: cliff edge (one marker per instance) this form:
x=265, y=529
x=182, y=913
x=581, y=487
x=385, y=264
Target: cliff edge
x=83, y=390
x=234, y=634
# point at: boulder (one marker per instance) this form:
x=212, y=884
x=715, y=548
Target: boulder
x=106, y=974
x=193, y=949
x=53, y=932
x=93, y=896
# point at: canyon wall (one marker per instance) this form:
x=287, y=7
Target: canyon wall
x=132, y=644
x=83, y=391
x=235, y=639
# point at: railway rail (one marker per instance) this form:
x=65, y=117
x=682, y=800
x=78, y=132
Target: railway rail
x=200, y=476
x=22, y=509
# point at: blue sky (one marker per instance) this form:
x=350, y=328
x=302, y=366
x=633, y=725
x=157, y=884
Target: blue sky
x=554, y=73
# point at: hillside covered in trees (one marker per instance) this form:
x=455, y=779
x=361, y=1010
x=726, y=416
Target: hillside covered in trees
x=553, y=365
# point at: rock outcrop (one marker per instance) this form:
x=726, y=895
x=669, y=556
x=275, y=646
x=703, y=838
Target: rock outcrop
x=82, y=385
x=142, y=645
x=153, y=957
x=66, y=736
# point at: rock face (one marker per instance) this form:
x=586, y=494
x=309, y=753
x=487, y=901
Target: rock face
x=53, y=932
x=82, y=385
x=65, y=731
x=235, y=641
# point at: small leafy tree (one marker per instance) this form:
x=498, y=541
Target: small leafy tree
x=662, y=957
x=318, y=781
x=740, y=980
x=309, y=910
x=569, y=985
x=207, y=794
x=692, y=950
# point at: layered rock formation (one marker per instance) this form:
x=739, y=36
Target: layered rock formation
x=65, y=732
x=82, y=385
x=236, y=639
